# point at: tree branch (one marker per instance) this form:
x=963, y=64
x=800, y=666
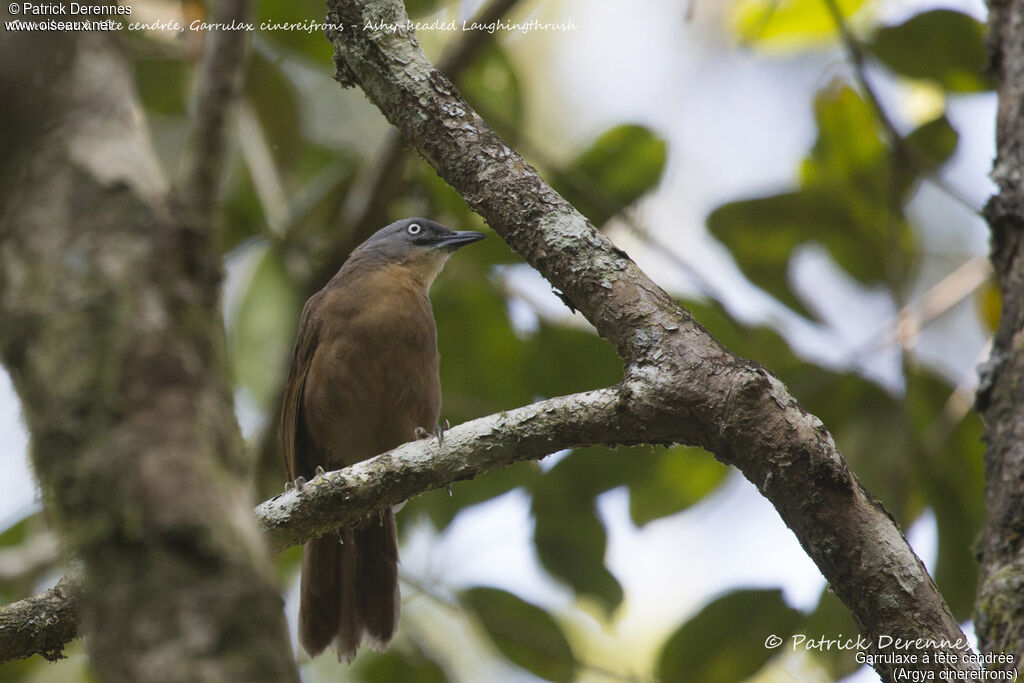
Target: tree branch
x=466, y=451
x=42, y=624
x=342, y=497
x=219, y=82
x=704, y=395
x=1000, y=600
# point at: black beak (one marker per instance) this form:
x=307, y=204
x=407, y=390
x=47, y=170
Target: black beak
x=459, y=238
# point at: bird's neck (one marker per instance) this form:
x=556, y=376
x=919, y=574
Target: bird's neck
x=417, y=272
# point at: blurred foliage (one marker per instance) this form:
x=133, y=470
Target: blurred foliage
x=725, y=641
x=787, y=24
x=401, y=667
x=620, y=166
x=491, y=84
x=853, y=189
x=990, y=305
x=263, y=330
x=524, y=633
x=849, y=195
x=943, y=46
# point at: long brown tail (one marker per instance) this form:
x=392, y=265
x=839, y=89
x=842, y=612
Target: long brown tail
x=350, y=588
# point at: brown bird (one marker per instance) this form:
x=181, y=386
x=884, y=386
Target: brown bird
x=364, y=379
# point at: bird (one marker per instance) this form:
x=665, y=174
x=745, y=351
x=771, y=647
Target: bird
x=364, y=379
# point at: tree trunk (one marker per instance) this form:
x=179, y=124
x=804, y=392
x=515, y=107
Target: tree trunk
x=109, y=296
x=999, y=617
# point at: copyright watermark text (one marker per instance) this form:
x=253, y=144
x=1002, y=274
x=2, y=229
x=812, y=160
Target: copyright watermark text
x=919, y=659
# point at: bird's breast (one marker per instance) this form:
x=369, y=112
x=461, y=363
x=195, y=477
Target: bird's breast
x=374, y=378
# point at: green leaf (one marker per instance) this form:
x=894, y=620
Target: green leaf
x=932, y=144
x=563, y=360
x=787, y=24
x=18, y=531
x=943, y=46
x=478, y=346
x=417, y=8
x=989, y=304
x=274, y=100
x=526, y=634
x=571, y=543
x=831, y=619
x=263, y=330
x=855, y=409
x=762, y=233
x=284, y=20
x=950, y=467
x=445, y=204
x=243, y=214
x=850, y=151
x=622, y=165
x=850, y=201
x=673, y=481
x=395, y=666
x=163, y=85
x=491, y=86
x=724, y=643
x=569, y=538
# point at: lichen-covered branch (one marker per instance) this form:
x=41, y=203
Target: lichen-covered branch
x=42, y=624
x=701, y=393
x=999, y=615
x=464, y=452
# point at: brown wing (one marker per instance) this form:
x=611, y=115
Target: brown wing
x=294, y=436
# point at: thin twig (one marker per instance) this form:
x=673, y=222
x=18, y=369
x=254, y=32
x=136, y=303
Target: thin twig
x=855, y=54
x=219, y=82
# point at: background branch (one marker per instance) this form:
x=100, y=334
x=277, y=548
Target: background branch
x=217, y=88
x=1000, y=601
x=42, y=624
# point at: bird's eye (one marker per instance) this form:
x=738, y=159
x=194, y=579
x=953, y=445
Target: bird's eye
x=414, y=229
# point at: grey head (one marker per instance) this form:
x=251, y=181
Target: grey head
x=419, y=246
x=405, y=238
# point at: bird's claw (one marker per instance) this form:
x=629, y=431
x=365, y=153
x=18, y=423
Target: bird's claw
x=301, y=481
x=439, y=430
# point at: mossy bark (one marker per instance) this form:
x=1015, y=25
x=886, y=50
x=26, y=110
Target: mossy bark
x=999, y=613
x=114, y=341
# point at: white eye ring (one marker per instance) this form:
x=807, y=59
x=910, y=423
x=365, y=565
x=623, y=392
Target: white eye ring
x=414, y=229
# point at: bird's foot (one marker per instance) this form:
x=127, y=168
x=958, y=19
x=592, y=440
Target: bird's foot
x=297, y=484
x=439, y=430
